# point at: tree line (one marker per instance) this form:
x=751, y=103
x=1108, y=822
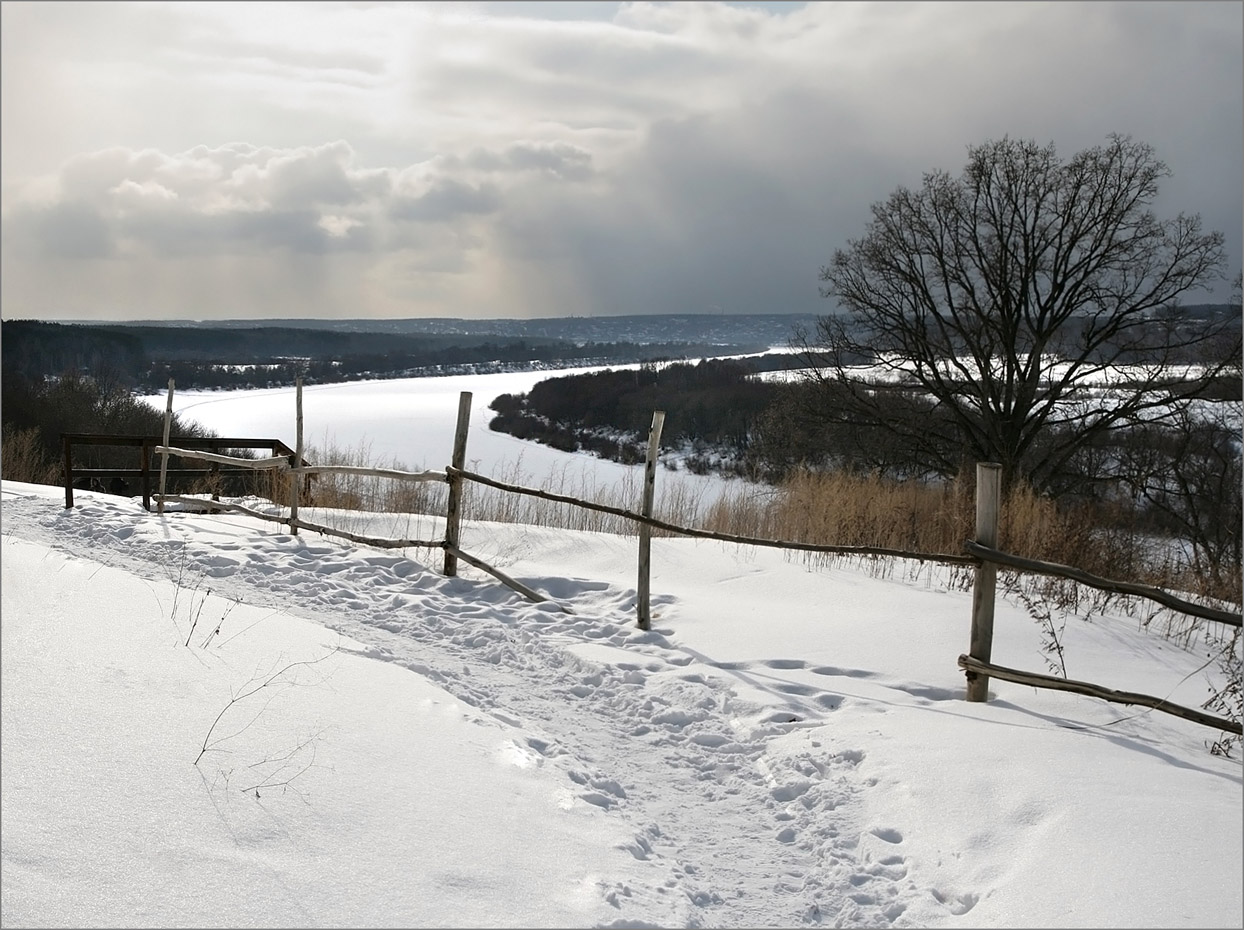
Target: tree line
x=145, y=357
x=712, y=404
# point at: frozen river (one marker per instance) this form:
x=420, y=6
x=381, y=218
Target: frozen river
x=409, y=423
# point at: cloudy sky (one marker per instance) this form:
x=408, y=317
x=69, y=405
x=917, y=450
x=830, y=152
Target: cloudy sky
x=228, y=160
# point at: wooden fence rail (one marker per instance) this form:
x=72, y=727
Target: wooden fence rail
x=1165, y=598
x=278, y=461
x=975, y=668
x=364, y=471
x=530, y=593
x=379, y=542
x=199, y=503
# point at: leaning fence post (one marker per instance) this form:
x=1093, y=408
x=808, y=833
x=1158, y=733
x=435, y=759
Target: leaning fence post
x=294, y=489
x=645, y=531
x=453, y=508
x=988, y=483
x=168, y=422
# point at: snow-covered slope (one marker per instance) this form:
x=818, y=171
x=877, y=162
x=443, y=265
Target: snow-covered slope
x=789, y=746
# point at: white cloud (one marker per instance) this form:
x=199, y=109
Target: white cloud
x=338, y=226
x=137, y=196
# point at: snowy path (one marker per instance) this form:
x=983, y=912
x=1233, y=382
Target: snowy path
x=787, y=801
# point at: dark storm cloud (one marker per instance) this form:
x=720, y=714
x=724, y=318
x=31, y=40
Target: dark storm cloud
x=737, y=210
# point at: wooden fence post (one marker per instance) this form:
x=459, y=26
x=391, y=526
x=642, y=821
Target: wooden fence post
x=294, y=489
x=988, y=486
x=68, y=451
x=645, y=531
x=168, y=422
x=144, y=464
x=453, y=508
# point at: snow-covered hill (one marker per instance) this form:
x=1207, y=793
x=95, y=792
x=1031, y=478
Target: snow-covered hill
x=378, y=745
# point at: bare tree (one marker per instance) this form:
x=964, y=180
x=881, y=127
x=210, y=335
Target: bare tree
x=1190, y=475
x=1020, y=311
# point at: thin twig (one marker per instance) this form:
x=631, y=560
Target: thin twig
x=207, y=739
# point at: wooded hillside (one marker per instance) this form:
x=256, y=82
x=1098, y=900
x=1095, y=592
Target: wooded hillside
x=144, y=357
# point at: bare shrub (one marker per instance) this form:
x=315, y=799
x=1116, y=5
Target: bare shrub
x=1227, y=699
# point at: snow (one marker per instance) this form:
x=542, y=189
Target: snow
x=385, y=746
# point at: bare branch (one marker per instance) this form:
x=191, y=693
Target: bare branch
x=252, y=687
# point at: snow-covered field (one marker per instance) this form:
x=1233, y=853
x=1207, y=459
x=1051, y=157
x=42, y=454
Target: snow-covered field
x=209, y=722
x=407, y=420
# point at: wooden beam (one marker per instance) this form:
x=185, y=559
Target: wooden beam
x=201, y=504
x=988, y=498
x=643, y=592
x=529, y=593
x=453, y=507
x=374, y=472
x=976, y=668
x=279, y=461
x=1105, y=584
x=377, y=541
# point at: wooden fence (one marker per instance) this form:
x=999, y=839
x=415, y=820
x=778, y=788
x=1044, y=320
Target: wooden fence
x=147, y=445
x=982, y=553
x=976, y=663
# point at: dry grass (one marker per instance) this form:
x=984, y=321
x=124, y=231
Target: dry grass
x=677, y=500
x=22, y=458
x=864, y=510
x=810, y=507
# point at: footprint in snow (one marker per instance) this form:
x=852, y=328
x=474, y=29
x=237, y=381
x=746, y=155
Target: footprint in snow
x=957, y=904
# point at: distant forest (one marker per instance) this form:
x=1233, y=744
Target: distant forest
x=143, y=357
x=715, y=405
